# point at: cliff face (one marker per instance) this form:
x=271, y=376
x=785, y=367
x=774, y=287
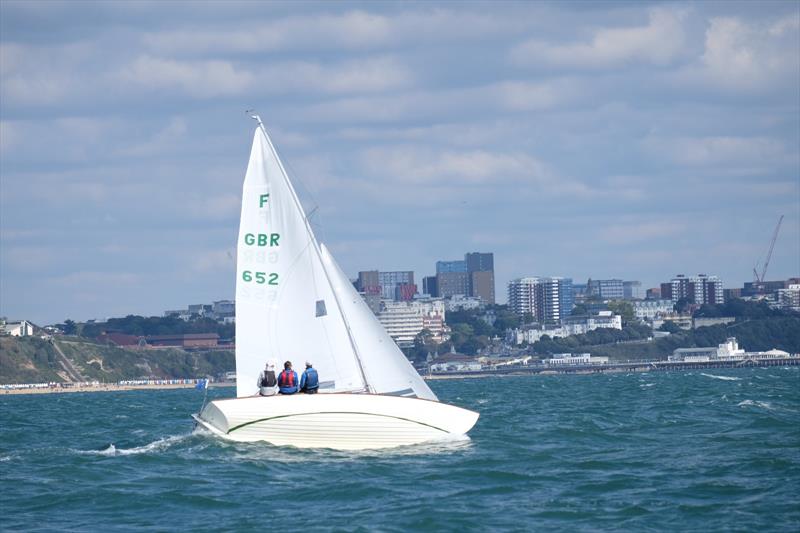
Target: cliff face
x=35, y=360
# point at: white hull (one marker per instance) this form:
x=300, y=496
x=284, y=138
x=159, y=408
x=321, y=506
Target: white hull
x=337, y=421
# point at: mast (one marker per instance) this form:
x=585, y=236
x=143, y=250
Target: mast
x=315, y=246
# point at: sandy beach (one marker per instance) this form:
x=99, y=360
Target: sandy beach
x=111, y=387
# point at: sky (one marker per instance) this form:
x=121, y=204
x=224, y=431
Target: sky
x=607, y=140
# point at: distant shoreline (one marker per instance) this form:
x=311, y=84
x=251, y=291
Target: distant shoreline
x=110, y=387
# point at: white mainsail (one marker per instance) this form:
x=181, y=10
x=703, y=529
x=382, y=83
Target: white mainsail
x=285, y=308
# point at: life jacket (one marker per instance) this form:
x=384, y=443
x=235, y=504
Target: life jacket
x=269, y=379
x=312, y=379
x=286, y=379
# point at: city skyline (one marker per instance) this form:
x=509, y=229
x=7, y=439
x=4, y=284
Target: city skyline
x=594, y=140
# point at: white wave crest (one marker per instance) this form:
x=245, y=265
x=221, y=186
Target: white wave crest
x=725, y=378
x=645, y=385
x=157, y=445
x=756, y=403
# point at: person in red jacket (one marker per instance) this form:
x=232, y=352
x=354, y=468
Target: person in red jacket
x=287, y=380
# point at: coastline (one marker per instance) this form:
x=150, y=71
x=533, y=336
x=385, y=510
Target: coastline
x=109, y=387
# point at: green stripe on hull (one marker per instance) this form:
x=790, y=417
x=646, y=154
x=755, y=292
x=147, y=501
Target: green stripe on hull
x=334, y=413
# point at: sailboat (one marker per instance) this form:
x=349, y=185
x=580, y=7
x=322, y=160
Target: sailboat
x=294, y=302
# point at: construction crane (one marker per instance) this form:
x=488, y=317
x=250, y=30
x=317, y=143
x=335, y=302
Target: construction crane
x=763, y=276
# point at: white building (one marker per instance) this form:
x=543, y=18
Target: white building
x=546, y=299
x=568, y=359
x=404, y=320
x=728, y=350
x=789, y=298
x=23, y=328
x=651, y=309
x=459, y=302
x=572, y=326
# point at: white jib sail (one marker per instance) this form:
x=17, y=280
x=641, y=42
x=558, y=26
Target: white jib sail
x=285, y=307
x=387, y=370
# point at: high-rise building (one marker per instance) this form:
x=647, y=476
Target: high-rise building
x=429, y=286
x=403, y=292
x=368, y=282
x=632, y=290
x=480, y=267
x=547, y=299
x=369, y=286
x=479, y=262
x=481, y=285
x=390, y=280
x=404, y=320
x=450, y=266
x=473, y=276
x=451, y=283
x=700, y=289
x=789, y=298
x=653, y=293
x=606, y=289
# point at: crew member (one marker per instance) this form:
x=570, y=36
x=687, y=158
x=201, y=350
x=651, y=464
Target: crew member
x=287, y=381
x=267, y=382
x=309, y=381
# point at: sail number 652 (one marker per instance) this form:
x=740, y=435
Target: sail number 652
x=269, y=278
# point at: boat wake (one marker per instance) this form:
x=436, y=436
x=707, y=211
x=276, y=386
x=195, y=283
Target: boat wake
x=724, y=378
x=155, y=446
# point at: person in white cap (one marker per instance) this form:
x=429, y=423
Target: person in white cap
x=309, y=381
x=267, y=382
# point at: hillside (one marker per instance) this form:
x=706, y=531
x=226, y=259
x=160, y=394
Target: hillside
x=31, y=360
x=782, y=333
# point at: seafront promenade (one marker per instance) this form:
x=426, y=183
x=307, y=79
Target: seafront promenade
x=59, y=388
x=544, y=370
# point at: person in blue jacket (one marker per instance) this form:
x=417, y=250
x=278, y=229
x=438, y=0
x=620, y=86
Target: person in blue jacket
x=309, y=382
x=287, y=380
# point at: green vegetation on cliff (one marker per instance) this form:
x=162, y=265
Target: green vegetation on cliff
x=156, y=325
x=755, y=335
x=30, y=359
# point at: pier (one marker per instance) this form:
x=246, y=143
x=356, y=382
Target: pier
x=609, y=368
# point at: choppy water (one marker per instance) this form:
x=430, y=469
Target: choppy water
x=718, y=450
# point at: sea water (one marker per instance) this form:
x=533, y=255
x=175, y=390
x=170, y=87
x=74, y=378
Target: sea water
x=679, y=451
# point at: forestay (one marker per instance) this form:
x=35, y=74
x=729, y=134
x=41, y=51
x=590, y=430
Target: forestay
x=387, y=370
x=285, y=307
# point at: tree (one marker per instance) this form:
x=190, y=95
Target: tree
x=682, y=305
x=579, y=309
x=670, y=327
x=622, y=308
x=69, y=327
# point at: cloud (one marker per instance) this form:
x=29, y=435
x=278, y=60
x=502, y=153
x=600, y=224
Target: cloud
x=659, y=42
x=353, y=29
x=506, y=96
x=162, y=141
x=417, y=165
x=96, y=279
x=29, y=258
x=371, y=74
x=200, y=79
x=636, y=230
x=40, y=75
x=724, y=151
x=747, y=56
